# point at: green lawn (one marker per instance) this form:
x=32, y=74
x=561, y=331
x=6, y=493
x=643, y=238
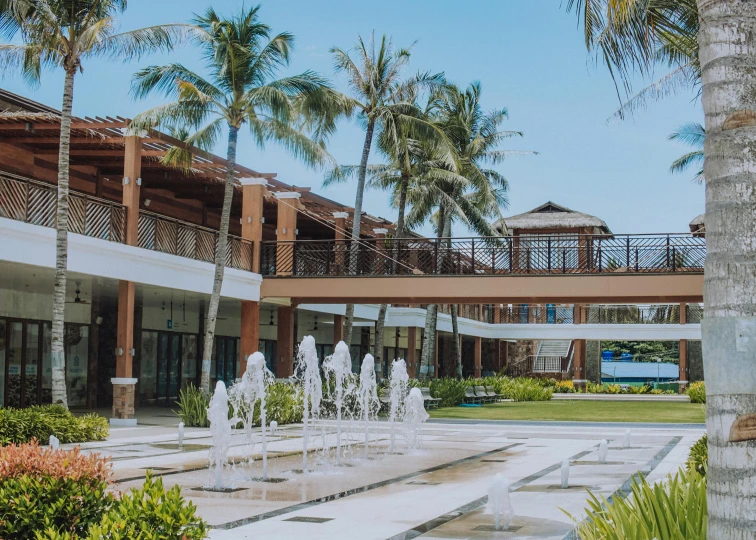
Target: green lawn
x=589, y=411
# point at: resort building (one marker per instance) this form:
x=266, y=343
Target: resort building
x=536, y=300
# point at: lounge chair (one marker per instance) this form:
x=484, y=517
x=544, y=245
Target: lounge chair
x=481, y=393
x=492, y=394
x=470, y=396
x=429, y=401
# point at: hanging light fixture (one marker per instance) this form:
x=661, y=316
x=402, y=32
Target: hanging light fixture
x=271, y=323
x=316, y=323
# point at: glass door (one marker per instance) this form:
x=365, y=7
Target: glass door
x=32, y=351
x=14, y=361
x=168, y=367
x=174, y=366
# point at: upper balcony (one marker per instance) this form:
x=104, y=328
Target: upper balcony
x=34, y=202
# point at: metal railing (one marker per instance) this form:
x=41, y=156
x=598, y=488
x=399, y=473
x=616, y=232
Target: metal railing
x=586, y=254
x=35, y=202
x=550, y=364
x=169, y=235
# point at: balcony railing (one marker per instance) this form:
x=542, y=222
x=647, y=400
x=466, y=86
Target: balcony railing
x=161, y=233
x=543, y=255
x=34, y=202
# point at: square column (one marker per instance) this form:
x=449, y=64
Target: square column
x=478, y=357
x=253, y=197
x=285, y=337
x=338, y=329
x=124, y=385
x=683, y=349
x=435, y=357
x=381, y=262
x=340, y=236
x=412, y=352
x=286, y=231
x=579, y=376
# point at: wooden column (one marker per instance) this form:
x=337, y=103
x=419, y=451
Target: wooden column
x=253, y=198
x=286, y=230
x=412, y=352
x=94, y=346
x=497, y=355
x=381, y=262
x=497, y=314
x=478, y=356
x=124, y=385
x=285, y=361
x=683, y=350
x=338, y=328
x=340, y=235
x=578, y=357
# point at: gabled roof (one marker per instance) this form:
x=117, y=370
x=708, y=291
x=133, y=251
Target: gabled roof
x=551, y=216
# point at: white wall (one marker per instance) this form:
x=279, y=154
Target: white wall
x=29, y=305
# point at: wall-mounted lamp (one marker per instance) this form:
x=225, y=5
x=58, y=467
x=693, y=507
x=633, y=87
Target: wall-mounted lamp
x=132, y=352
x=139, y=181
x=98, y=320
x=125, y=180
x=147, y=202
x=119, y=351
x=271, y=318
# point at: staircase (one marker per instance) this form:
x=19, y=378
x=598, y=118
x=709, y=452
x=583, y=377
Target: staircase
x=550, y=355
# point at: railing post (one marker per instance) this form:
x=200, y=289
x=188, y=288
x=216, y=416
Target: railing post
x=527, y=254
x=294, y=258
x=493, y=259
x=674, y=258
x=511, y=254
x=667, y=265
x=637, y=265
x=472, y=249
x=564, y=260
x=600, y=262
x=548, y=251
x=627, y=251
x=435, y=256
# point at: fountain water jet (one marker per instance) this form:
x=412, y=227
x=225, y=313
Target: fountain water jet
x=565, y=474
x=499, y=502
x=220, y=430
x=398, y=380
x=414, y=416
x=603, y=450
x=367, y=395
x=309, y=374
x=340, y=364
x=181, y=436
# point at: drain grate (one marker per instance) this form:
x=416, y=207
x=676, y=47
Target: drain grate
x=423, y=483
x=269, y=480
x=221, y=490
x=305, y=519
x=157, y=468
x=493, y=460
x=491, y=528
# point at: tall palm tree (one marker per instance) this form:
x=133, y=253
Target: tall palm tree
x=65, y=34
x=693, y=134
x=728, y=327
x=242, y=60
x=373, y=78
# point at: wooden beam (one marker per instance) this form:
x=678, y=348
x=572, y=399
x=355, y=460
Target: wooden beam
x=42, y=126
x=74, y=140
x=100, y=153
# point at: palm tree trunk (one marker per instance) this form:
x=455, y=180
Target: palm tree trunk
x=728, y=68
x=378, y=350
x=431, y=312
x=354, y=247
x=399, y=233
x=454, y=312
x=57, y=348
x=220, y=259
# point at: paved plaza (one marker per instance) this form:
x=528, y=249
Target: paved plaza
x=436, y=492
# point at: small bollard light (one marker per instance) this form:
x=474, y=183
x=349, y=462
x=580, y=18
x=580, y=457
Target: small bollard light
x=181, y=436
x=54, y=442
x=565, y=470
x=273, y=426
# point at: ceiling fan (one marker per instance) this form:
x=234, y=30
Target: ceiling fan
x=77, y=299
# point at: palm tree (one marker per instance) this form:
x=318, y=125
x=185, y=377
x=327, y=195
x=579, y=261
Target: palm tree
x=65, y=34
x=373, y=78
x=725, y=38
x=693, y=134
x=242, y=60
x=635, y=36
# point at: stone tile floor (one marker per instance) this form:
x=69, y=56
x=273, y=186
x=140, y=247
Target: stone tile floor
x=433, y=493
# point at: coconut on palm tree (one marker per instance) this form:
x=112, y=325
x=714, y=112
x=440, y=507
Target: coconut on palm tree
x=241, y=89
x=693, y=134
x=373, y=79
x=66, y=34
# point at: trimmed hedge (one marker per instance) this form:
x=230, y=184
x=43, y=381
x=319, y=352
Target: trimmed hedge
x=698, y=457
x=19, y=426
x=697, y=392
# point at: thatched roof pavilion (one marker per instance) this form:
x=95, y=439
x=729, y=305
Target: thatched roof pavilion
x=550, y=218
x=697, y=226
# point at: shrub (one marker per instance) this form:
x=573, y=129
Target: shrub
x=697, y=392
x=698, y=457
x=192, y=406
x=58, y=490
x=19, y=426
x=564, y=387
x=149, y=513
x=675, y=509
x=638, y=389
x=525, y=389
x=612, y=388
x=451, y=392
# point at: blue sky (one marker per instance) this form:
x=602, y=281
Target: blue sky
x=530, y=58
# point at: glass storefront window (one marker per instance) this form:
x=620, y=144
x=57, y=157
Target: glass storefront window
x=2, y=360
x=46, y=396
x=15, y=342
x=188, y=359
x=77, y=360
x=31, y=364
x=148, y=368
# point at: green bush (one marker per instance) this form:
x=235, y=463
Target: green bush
x=697, y=392
x=22, y=425
x=698, y=457
x=674, y=510
x=149, y=513
x=59, y=490
x=451, y=392
x=525, y=389
x=192, y=406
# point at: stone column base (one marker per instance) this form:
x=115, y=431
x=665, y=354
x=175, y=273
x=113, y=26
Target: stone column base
x=579, y=384
x=123, y=401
